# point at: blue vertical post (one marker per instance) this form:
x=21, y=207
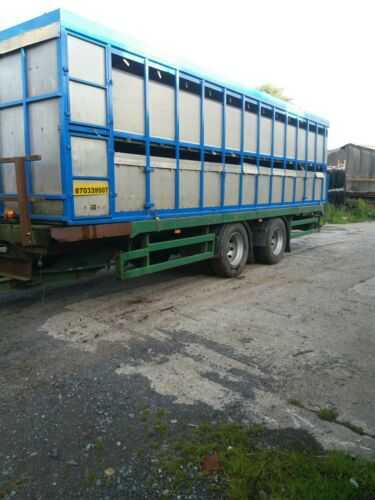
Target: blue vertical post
x=242, y=147
x=26, y=121
x=285, y=152
x=111, y=142
x=223, y=146
x=66, y=162
x=272, y=153
x=324, y=167
x=296, y=162
x=201, y=146
x=148, y=168
x=306, y=160
x=257, y=157
x=177, y=138
x=315, y=146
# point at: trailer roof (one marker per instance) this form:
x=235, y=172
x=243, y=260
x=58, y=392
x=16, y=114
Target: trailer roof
x=88, y=28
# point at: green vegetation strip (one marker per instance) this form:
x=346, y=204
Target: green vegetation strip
x=352, y=211
x=231, y=461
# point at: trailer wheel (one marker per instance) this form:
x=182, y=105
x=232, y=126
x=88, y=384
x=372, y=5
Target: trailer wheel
x=232, y=251
x=275, y=239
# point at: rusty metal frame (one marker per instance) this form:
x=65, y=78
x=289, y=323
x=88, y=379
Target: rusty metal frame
x=22, y=195
x=90, y=232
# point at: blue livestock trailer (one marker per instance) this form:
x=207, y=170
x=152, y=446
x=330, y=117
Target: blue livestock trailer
x=108, y=156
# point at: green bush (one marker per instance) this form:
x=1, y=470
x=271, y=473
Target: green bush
x=353, y=211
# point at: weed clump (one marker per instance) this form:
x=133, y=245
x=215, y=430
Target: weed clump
x=352, y=211
x=230, y=460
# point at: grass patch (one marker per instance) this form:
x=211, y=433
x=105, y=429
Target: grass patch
x=245, y=469
x=352, y=211
x=328, y=414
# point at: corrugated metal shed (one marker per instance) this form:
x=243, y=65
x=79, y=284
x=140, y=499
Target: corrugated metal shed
x=358, y=161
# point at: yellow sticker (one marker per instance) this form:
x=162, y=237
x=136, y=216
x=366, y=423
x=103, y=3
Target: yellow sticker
x=90, y=188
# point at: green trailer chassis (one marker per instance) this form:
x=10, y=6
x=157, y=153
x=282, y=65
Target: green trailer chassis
x=135, y=248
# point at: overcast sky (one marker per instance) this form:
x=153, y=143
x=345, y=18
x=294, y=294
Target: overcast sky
x=320, y=52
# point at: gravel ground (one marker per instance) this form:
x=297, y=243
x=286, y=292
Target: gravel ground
x=96, y=379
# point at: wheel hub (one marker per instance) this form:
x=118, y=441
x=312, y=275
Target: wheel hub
x=276, y=242
x=235, y=249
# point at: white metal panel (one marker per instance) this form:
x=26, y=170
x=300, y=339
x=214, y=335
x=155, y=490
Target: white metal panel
x=212, y=184
x=130, y=182
x=30, y=37
x=128, y=102
x=325, y=152
x=311, y=146
x=264, y=187
x=301, y=144
x=42, y=68
x=291, y=141
x=279, y=138
x=11, y=144
x=320, y=180
x=300, y=181
x=277, y=189
x=86, y=60
x=87, y=104
x=163, y=182
x=265, y=135
x=10, y=77
x=162, y=107
x=189, y=183
x=318, y=188
x=320, y=149
x=45, y=141
x=289, y=189
x=232, y=188
x=250, y=132
x=213, y=119
x=233, y=128
x=309, y=186
x=189, y=117
x=89, y=157
x=248, y=188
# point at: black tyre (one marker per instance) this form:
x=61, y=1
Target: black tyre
x=275, y=239
x=232, y=245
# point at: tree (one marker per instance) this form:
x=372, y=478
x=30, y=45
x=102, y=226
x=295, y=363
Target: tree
x=278, y=92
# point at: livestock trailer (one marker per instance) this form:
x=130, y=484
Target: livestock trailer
x=356, y=165
x=109, y=156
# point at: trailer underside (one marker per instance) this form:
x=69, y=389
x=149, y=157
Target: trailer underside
x=133, y=248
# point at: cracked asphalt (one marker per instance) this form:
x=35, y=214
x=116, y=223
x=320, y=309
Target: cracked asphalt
x=81, y=364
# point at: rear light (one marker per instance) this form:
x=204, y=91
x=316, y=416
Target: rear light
x=9, y=214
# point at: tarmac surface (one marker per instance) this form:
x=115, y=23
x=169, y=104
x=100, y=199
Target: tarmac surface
x=83, y=367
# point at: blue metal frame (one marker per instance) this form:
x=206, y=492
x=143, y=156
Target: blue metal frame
x=242, y=146
x=177, y=138
x=66, y=162
x=201, y=147
x=272, y=153
x=223, y=147
x=285, y=161
x=78, y=27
